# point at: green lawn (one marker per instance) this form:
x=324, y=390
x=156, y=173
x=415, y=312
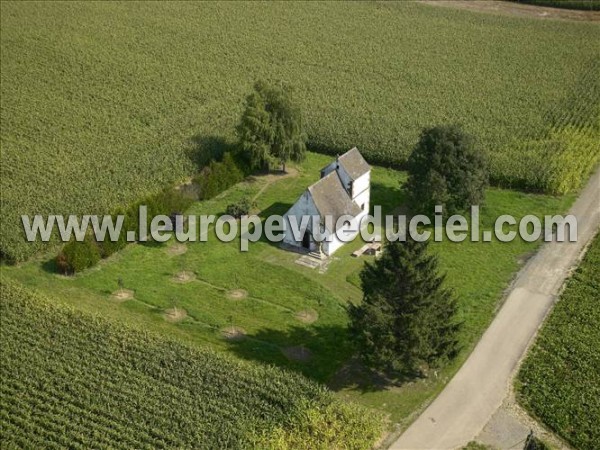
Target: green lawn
x=559, y=382
x=103, y=102
x=278, y=288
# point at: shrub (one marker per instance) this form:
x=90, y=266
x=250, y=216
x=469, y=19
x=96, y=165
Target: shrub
x=240, y=208
x=108, y=247
x=77, y=256
x=445, y=169
x=218, y=176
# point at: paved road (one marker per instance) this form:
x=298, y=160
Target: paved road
x=467, y=403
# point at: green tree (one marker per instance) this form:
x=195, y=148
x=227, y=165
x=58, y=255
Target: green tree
x=271, y=127
x=446, y=169
x=407, y=320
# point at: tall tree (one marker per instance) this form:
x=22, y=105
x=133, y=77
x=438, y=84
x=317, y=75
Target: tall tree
x=446, y=169
x=255, y=132
x=271, y=128
x=407, y=319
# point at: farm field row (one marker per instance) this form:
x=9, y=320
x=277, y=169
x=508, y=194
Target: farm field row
x=79, y=381
x=102, y=103
x=559, y=382
x=285, y=307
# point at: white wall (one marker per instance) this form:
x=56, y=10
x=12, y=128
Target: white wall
x=361, y=193
x=361, y=185
x=335, y=244
x=304, y=206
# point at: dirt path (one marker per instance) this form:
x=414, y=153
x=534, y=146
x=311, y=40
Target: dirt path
x=517, y=9
x=480, y=386
x=273, y=178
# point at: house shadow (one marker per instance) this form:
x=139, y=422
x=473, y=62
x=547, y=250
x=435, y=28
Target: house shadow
x=203, y=149
x=323, y=353
x=277, y=208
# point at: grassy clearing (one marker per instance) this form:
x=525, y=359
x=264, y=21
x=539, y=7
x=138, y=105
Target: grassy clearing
x=79, y=381
x=278, y=288
x=559, y=381
x=105, y=102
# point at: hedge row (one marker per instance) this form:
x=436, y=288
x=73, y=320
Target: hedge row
x=218, y=176
x=77, y=256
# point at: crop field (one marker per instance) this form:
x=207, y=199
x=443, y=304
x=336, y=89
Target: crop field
x=73, y=380
x=559, y=382
x=103, y=102
x=284, y=305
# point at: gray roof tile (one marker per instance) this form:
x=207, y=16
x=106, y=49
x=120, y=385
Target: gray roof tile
x=331, y=199
x=353, y=162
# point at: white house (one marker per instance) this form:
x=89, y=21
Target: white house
x=343, y=190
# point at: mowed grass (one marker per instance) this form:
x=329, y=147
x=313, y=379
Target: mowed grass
x=278, y=288
x=102, y=103
x=559, y=382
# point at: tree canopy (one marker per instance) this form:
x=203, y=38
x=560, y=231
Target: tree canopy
x=446, y=169
x=271, y=128
x=406, y=322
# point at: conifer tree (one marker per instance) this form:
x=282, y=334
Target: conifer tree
x=407, y=319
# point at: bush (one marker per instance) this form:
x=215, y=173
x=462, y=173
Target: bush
x=218, y=176
x=240, y=208
x=445, y=169
x=77, y=256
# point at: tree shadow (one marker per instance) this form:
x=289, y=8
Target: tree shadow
x=203, y=149
x=321, y=352
x=50, y=266
x=390, y=198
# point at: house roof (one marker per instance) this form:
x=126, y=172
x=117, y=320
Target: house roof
x=331, y=199
x=354, y=164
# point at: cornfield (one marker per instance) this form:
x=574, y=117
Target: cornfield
x=103, y=103
x=70, y=380
x=559, y=381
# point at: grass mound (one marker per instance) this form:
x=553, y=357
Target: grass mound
x=559, y=381
x=78, y=381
